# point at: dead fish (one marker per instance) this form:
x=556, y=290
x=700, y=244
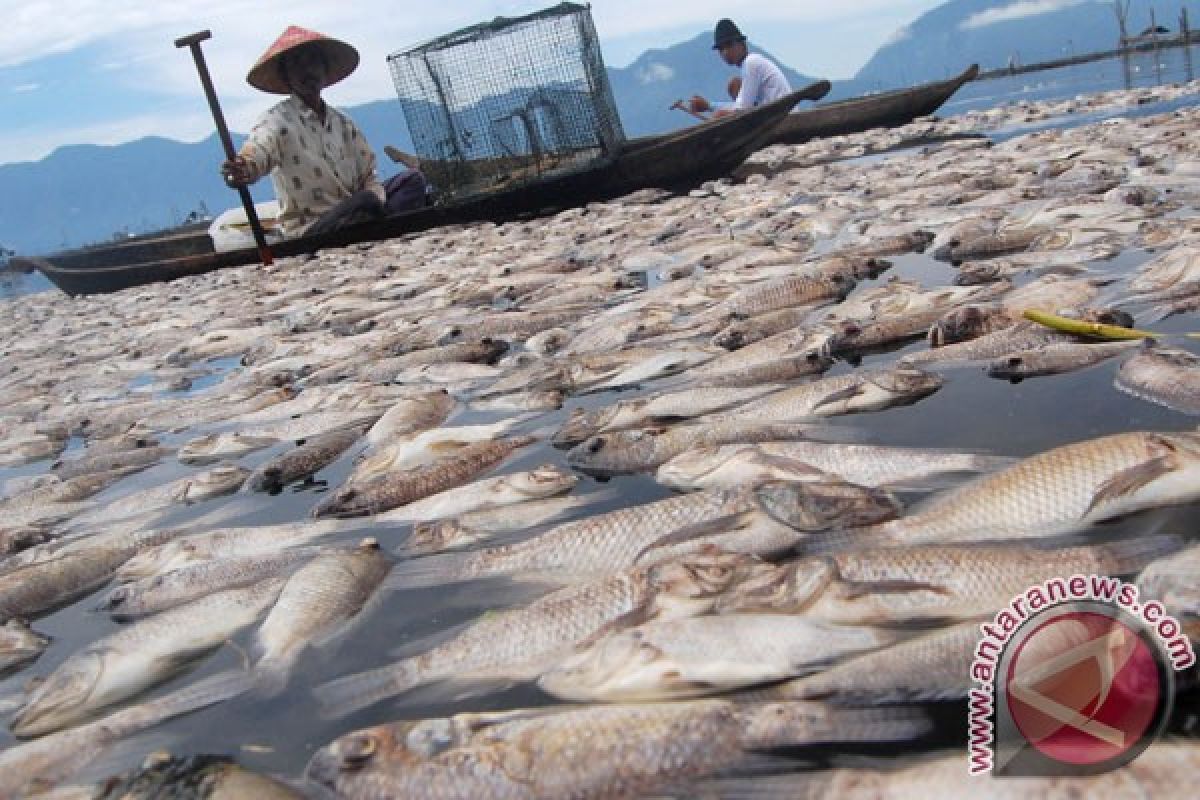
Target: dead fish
x=843, y=394
x=173, y=588
x=476, y=527
x=408, y=415
x=1167, y=376
x=1022, y=336
x=502, y=490
x=520, y=401
x=988, y=245
x=123, y=664
x=220, y=480
x=1175, y=581
x=1152, y=774
x=796, y=290
x=969, y=322
x=19, y=646
x=645, y=449
x=742, y=332
x=401, y=487
x=91, y=462
x=1059, y=491
x=653, y=409
x=899, y=586
x=31, y=589
x=203, y=777
x=424, y=447
x=929, y=667
x=1054, y=359
x=223, y=543
x=763, y=373
x=29, y=767
x=675, y=659
x=599, y=751
x=519, y=644
x=317, y=600
x=216, y=447
x=303, y=461
x=868, y=465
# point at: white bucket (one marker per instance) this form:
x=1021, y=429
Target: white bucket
x=231, y=230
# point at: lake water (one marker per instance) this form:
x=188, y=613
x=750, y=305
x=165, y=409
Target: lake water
x=278, y=735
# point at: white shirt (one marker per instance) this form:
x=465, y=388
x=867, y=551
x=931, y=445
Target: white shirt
x=762, y=82
x=313, y=165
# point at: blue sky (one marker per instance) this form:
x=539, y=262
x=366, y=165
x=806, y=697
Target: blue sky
x=106, y=72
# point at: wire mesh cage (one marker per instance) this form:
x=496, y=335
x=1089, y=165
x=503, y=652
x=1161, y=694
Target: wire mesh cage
x=508, y=102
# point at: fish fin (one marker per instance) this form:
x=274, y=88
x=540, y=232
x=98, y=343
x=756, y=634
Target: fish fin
x=448, y=446
x=629, y=619
x=846, y=393
x=354, y=692
x=429, y=571
x=710, y=527
x=1132, y=555
x=1130, y=480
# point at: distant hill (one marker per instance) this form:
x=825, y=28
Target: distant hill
x=994, y=33
x=86, y=193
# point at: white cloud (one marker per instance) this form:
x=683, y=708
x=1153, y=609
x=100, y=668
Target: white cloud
x=27, y=87
x=654, y=73
x=130, y=44
x=1018, y=10
x=900, y=35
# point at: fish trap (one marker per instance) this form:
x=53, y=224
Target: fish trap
x=509, y=102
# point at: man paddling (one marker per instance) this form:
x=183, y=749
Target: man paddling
x=761, y=81
x=321, y=166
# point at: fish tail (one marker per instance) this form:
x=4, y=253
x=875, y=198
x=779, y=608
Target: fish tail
x=355, y=692
x=271, y=674
x=1128, y=556
x=203, y=693
x=841, y=540
x=429, y=571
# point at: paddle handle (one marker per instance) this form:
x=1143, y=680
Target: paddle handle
x=192, y=42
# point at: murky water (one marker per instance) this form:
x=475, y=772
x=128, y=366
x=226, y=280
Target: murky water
x=278, y=735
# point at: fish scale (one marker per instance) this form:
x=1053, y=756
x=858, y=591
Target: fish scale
x=1057, y=491
x=392, y=490
x=595, y=752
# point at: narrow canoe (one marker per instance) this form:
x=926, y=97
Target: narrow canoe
x=674, y=161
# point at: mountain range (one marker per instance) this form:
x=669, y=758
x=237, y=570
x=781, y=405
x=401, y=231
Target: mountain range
x=88, y=193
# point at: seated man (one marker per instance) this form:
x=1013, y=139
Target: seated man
x=761, y=81
x=321, y=166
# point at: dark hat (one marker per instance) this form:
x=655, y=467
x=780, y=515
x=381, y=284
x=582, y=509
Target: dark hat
x=265, y=74
x=726, y=33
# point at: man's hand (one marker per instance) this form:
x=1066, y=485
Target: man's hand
x=699, y=104
x=237, y=172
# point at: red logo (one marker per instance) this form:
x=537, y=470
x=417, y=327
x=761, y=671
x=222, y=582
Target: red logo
x=1085, y=689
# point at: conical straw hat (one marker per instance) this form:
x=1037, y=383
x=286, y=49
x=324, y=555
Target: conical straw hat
x=266, y=75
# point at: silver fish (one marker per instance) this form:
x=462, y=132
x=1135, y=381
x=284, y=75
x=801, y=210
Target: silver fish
x=675, y=659
x=137, y=657
x=1164, y=375
x=19, y=646
x=317, y=600
x=502, y=490
x=596, y=752
x=1053, y=359
x=519, y=644
x=302, y=461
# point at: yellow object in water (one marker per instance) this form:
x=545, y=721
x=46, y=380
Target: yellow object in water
x=1095, y=329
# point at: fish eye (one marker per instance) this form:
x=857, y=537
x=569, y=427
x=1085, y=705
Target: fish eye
x=596, y=444
x=357, y=750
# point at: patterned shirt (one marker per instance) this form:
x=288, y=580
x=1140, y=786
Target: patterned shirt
x=313, y=164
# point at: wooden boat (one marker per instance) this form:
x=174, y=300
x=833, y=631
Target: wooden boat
x=884, y=110
x=682, y=159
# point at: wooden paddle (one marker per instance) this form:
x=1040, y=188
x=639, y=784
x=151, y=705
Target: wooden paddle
x=193, y=42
